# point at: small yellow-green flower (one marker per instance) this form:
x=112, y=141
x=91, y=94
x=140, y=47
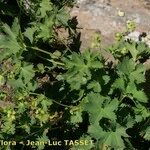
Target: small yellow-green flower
x=121, y=13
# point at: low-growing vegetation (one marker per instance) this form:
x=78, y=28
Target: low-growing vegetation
x=52, y=96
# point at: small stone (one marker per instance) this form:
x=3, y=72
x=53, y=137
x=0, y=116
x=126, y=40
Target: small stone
x=133, y=36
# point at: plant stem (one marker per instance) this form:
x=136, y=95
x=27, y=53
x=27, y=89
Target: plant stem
x=40, y=50
x=52, y=61
x=52, y=100
x=45, y=52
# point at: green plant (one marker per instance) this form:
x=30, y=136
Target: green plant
x=50, y=93
x=113, y=98
x=26, y=113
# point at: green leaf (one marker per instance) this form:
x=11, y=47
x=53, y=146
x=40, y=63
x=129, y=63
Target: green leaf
x=46, y=103
x=8, y=127
x=9, y=42
x=110, y=108
x=131, y=87
x=114, y=139
x=126, y=66
x=29, y=32
x=106, y=78
x=141, y=112
x=16, y=83
x=137, y=94
x=45, y=6
x=21, y=108
x=139, y=74
x=45, y=29
x=98, y=110
x=143, y=48
x=147, y=134
x=16, y=27
x=119, y=84
x=80, y=68
x=76, y=117
x=27, y=73
x=132, y=49
x=140, y=96
x=95, y=86
x=96, y=131
x=63, y=17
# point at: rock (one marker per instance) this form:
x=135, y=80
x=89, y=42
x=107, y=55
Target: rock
x=133, y=36
x=102, y=15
